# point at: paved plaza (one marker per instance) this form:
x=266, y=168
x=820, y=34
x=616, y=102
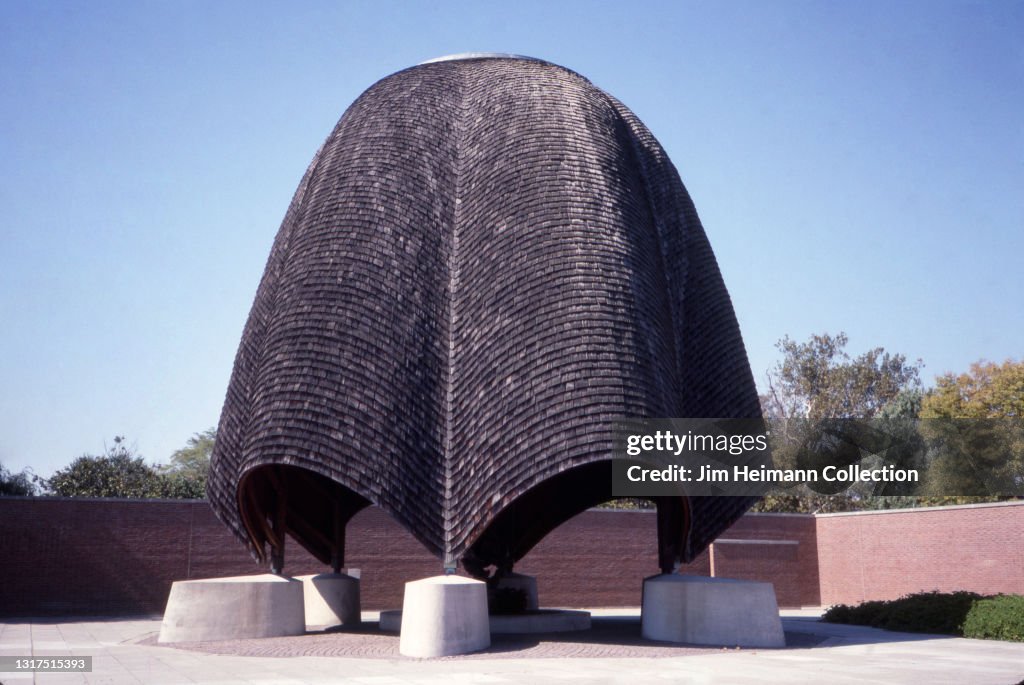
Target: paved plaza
x=125, y=651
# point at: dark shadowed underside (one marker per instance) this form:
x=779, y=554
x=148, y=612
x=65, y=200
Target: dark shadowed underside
x=486, y=263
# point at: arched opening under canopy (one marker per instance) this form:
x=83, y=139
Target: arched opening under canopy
x=276, y=500
x=517, y=528
x=279, y=499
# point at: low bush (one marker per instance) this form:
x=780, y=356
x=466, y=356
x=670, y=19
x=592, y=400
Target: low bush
x=864, y=614
x=924, y=612
x=998, y=618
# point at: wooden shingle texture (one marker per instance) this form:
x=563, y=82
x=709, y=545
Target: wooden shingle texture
x=487, y=262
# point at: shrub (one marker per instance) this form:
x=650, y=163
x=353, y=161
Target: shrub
x=924, y=612
x=999, y=618
x=864, y=614
x=931, y=612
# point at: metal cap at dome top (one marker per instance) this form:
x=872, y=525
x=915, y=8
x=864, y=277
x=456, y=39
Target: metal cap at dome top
x=479, y=55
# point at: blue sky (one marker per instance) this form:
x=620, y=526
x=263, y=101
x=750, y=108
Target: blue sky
x=857, y=167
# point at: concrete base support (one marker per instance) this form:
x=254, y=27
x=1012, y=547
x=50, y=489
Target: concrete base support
x=444, y=615
x=524, y=583
x=231, y=608
x=711, y=611
x=331, y=599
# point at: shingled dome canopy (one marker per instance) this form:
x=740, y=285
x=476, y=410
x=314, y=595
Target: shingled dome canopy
x=488, y=261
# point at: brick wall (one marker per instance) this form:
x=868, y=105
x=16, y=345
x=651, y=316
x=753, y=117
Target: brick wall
x=777, y=548
x=112, y=557
x=869, y=555
x=116, y=557
x=598, y=558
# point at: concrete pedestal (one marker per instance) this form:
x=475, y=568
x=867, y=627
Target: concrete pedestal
x=519, y=581
x=444, y=615
x=331, y=599
x=711, y=611
x=231, y=608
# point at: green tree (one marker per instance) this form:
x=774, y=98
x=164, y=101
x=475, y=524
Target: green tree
x=189, y=467
x=974, y=426
x=817, y=382
x=987, y=391
x=818, y=379
x=119, y=472
x=180, y=486
x=16, y=484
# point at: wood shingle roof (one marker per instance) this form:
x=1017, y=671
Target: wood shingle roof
x=486, y=263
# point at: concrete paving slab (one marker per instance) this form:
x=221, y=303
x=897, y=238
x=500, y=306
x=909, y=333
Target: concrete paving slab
x=836, y=654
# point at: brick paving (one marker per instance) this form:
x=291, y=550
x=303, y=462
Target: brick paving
x=123, y=653
x=609, y=637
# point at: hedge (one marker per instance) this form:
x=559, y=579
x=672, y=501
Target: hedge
x=996, y=618
x=951, y=613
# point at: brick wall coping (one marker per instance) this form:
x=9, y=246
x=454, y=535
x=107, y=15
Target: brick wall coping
x=909, y=510
x=872, y=512
x=652, y=511
x=753, y=541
